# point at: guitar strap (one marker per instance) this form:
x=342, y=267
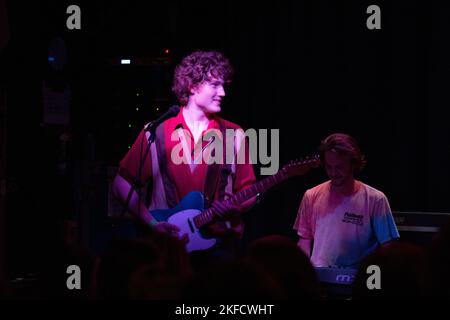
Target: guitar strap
x=169, y=186
x=217, y=174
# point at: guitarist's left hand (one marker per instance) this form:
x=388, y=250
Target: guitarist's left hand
x=225, y=209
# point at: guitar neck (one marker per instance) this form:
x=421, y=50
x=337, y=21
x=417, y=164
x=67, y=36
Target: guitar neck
x=208, y=216
x=258, y=187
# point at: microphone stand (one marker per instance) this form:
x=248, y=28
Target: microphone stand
x=151, y=139
x=137, y=179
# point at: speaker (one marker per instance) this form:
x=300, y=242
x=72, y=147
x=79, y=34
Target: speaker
x=419, y=227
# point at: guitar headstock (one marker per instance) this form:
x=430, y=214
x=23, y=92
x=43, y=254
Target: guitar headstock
x=301, y=166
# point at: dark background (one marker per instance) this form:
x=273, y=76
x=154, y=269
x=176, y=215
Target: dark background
x=307, y=68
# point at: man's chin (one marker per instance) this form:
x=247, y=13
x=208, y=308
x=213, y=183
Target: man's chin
x=215, y=109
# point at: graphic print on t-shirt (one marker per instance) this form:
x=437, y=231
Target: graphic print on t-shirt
x=354, y=218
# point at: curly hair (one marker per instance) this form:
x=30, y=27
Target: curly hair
x=196, y=68
x=344, y=144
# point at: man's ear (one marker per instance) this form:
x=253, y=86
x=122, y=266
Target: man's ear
x=193, y=89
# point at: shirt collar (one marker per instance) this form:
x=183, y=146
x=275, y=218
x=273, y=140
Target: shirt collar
x=180, y=122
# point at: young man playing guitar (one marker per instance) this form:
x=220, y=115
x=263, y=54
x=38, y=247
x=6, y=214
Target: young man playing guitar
x=199, y=86
x=184, y=182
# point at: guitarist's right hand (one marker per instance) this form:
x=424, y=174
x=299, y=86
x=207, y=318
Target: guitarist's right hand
x=171, y=229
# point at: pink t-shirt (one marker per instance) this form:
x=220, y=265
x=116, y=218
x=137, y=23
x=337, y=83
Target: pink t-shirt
x=344, y=229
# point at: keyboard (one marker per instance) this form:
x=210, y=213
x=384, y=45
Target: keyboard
x=336, y=275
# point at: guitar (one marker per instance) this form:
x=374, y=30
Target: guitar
x=190, y=215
